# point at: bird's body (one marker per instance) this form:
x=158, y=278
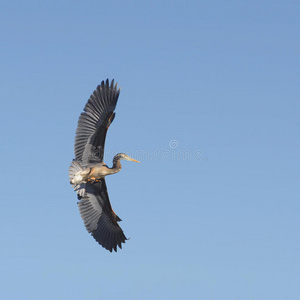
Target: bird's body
x=87, y=171
x=100, y=171
x=93, y=174
x=97, y=171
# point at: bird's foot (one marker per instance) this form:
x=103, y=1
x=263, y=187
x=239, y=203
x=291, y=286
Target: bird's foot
x=93, y=180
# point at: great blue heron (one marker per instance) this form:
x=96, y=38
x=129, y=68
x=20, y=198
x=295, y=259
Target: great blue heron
x=87, y=171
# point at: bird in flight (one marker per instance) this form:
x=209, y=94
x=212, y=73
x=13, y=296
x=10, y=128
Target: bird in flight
x=88, y=171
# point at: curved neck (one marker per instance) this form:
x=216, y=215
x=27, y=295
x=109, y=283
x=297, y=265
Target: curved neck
x=116, y=164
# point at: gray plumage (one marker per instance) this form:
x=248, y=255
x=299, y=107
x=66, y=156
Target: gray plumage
x=94, y=205
x=92, y=123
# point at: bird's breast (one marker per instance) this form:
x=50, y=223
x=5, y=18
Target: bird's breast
x=100, y=172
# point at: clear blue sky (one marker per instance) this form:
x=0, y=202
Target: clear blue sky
x=214, y=217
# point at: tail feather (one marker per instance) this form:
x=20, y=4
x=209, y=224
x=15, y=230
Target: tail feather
x=74, y=168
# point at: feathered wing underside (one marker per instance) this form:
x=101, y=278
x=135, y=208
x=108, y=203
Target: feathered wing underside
x=94, y=122
x=99, y=218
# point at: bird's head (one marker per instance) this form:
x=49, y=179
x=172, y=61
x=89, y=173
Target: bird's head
x=124, y=156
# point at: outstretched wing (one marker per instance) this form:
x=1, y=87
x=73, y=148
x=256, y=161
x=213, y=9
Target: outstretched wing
x=94, y=121
x=99, y=218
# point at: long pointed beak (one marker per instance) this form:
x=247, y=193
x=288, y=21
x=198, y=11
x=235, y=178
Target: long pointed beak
x=131, y=159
